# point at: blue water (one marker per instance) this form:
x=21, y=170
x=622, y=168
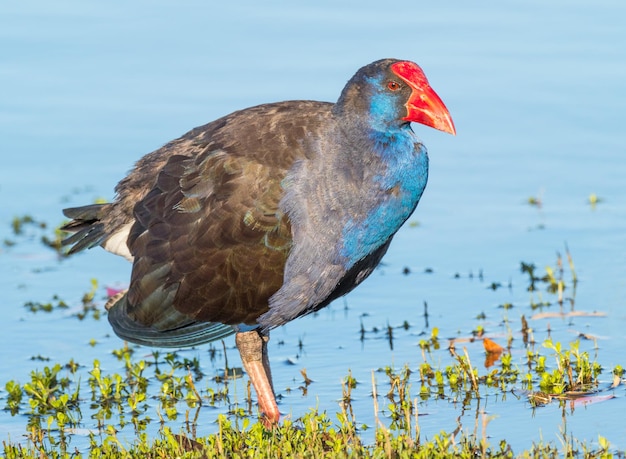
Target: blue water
x=537, y=92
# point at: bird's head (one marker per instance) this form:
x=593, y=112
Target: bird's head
x=394, y=92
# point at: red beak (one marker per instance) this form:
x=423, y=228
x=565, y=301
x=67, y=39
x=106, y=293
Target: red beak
x=424, y=105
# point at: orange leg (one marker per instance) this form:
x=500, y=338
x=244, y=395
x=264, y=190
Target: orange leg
x=252, y=347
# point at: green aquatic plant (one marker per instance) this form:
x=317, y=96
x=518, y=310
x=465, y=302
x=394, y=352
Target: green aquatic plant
x=593, y=200
x=56, y=303
x=125, y=396
x=14, y=396
x=168, y=389
x=89, y=307
x=18, y=224
x=430, y=344
x=574, y=371
x=554, y=281
x=535, y=201
x=26, y=227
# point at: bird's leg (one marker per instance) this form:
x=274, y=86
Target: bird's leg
x=252, y=347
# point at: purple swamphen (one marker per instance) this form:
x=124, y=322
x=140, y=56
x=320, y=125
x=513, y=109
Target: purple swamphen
x=265, y=215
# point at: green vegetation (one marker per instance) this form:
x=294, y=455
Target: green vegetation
x=52, y=401
x=28, y=227
x=77, y=410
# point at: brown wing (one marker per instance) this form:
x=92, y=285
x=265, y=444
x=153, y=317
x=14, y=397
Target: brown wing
x=209, y=242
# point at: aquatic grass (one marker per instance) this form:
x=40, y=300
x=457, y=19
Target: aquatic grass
x=28, y=227
x=593, y=200
x=553, y=281
x=574, y=371
x=14, y=397
x=168, y=390
x=314, y=434
x=36, y=306
x=89, y=306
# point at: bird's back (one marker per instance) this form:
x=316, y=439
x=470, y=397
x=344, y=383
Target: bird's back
x=201, y=217
x=273, y=135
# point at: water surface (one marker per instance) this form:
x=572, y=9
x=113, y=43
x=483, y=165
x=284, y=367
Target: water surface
x=537, y=92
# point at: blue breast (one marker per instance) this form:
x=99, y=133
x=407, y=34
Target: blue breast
x=393, y=195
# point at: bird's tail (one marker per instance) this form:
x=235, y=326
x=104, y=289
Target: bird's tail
x=87, y=226
x=191, y=333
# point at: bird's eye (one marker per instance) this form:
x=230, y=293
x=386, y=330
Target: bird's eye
x=393, y=85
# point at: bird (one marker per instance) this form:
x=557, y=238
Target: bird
x=264, y=215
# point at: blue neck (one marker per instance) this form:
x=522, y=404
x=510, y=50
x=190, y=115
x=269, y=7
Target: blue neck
x=393, y=194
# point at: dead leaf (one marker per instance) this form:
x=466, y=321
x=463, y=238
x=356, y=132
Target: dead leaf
x=494, y=351
x=491, y=346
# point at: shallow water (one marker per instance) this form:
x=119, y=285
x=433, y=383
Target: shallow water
x=538, y=95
